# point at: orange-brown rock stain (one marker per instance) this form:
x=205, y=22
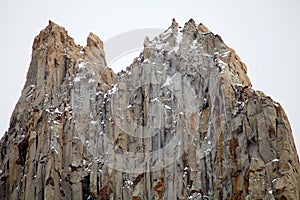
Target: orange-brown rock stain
x=105, y=193
x=159, y=188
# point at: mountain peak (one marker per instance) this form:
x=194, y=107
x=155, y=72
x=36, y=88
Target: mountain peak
x=94, y=41
x=181, y=122
x=94, y=48
x=52, y=34
x=191, y=22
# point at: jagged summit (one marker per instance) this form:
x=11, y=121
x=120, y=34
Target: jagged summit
x=94, y=41
x=50, y=34
x=195, y=39
x=182, y=122
x=94, y=48
x=56, y=37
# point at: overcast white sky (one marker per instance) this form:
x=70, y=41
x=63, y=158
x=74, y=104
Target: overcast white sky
x=264, y=33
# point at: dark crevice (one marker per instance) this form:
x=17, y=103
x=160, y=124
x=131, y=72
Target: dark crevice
x=22, y=147
x=86, y=193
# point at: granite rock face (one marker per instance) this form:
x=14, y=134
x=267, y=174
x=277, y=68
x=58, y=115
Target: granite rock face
x=182, y=122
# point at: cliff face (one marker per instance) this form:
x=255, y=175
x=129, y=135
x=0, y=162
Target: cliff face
x=182, y=122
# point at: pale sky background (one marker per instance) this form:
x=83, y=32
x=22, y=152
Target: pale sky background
x=264, y=33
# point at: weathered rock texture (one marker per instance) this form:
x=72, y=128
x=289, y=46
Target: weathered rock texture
x=182, y=122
